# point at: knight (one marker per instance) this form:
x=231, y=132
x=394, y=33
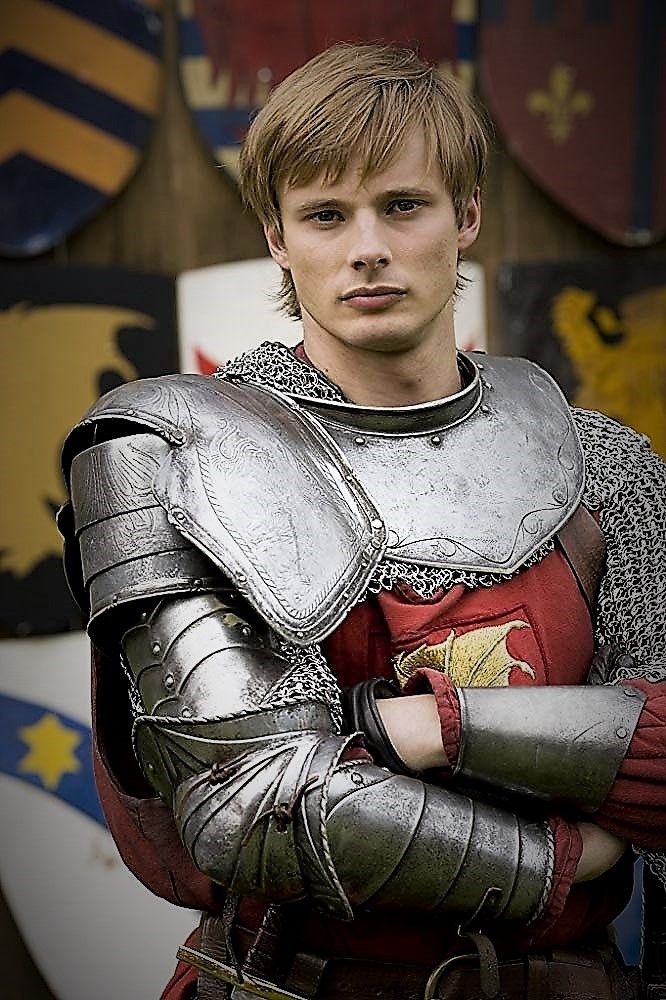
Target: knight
x=380, y=668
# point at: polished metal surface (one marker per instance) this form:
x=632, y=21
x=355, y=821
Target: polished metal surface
x=479, y=493
x=297, y=820
x=127, y=547
x=242, y=741
x=211, y=687
x=256, y=486
x=562, y=745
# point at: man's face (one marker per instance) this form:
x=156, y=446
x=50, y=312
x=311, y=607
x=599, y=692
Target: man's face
x=374, y=264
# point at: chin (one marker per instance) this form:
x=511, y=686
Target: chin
x=384, y=341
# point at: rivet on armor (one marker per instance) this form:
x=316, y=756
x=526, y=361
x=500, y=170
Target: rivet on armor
x=169, y=681
x=480, y=367
x=151, y=767
x=359, y=440
x=179, y=514
x=435, y=439
x=241, y=578
x=246, y=631
x=357, y=779
x=484, y=408
x=376, y=525
x=197, y=584
x=376, y=543
x=155, y=649
x=300, y=633
x=186, y=713
x=621, y=732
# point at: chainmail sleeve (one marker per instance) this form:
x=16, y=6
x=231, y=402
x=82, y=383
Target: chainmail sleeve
x=626, y=485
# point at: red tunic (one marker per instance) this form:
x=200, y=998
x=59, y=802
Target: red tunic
x=531, y=629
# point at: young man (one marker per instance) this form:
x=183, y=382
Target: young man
x=398, y=709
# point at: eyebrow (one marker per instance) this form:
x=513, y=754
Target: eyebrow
x=394, y=194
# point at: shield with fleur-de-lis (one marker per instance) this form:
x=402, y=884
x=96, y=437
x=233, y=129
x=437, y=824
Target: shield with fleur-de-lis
x=579, y=93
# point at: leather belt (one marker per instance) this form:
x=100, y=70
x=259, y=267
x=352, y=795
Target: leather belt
x=558, y=975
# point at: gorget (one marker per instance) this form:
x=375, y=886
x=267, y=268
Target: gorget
x=476, y=482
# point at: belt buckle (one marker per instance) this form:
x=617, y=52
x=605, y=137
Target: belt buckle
x=443, y=969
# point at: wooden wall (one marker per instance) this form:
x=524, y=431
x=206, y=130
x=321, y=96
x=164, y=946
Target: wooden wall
x=181, y=212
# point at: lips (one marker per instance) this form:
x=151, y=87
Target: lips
x=373, y=296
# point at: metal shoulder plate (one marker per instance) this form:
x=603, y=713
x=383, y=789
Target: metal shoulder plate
x=475, y=482
x=256, y=485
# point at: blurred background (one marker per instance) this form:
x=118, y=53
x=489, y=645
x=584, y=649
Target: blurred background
x=125, y=252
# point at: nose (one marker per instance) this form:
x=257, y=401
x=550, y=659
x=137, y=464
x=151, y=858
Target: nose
x=368, y=248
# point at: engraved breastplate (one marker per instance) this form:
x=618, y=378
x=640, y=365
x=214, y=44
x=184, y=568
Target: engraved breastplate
x=477, y=481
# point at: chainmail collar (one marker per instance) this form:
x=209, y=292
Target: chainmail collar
x=276, y=366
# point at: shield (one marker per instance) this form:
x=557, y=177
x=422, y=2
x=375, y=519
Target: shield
x=234, y=51
x=66, y=335
x=579, y=92
x=79, y=88
x=599, y=328
x=227, y=309
x=92, y=929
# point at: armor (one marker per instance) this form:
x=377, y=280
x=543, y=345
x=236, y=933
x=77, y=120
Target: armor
x=227, y=724
x=560, y=744
x=218, y=530
x=242, y=468
x=429, y=468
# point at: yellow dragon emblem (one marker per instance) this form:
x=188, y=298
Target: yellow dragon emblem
x=479, y=658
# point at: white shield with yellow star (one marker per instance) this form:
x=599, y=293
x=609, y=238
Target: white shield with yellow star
x=92, y=929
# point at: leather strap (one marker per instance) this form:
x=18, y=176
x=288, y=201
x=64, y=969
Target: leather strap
x=213, y=943
x=584, y=547
x=537, y=978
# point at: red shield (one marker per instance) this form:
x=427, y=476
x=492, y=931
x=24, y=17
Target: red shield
x=234, y=51
x=579, y=91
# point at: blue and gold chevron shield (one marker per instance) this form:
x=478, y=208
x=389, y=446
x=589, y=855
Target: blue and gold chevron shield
x=79, y=87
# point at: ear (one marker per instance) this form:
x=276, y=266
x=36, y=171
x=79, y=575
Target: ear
x=471, y=223
x=276, y=246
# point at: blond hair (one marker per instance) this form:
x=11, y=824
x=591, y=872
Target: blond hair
x=358, y=101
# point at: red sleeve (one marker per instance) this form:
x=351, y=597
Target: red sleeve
x=437, y=683
x=635, y=807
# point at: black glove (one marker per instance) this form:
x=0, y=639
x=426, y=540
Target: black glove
x=361, y=715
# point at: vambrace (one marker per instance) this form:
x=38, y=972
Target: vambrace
x=294, y=819
x=244, y=743
x=554, y=744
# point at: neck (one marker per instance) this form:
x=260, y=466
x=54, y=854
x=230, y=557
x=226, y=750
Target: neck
x=374, y=378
